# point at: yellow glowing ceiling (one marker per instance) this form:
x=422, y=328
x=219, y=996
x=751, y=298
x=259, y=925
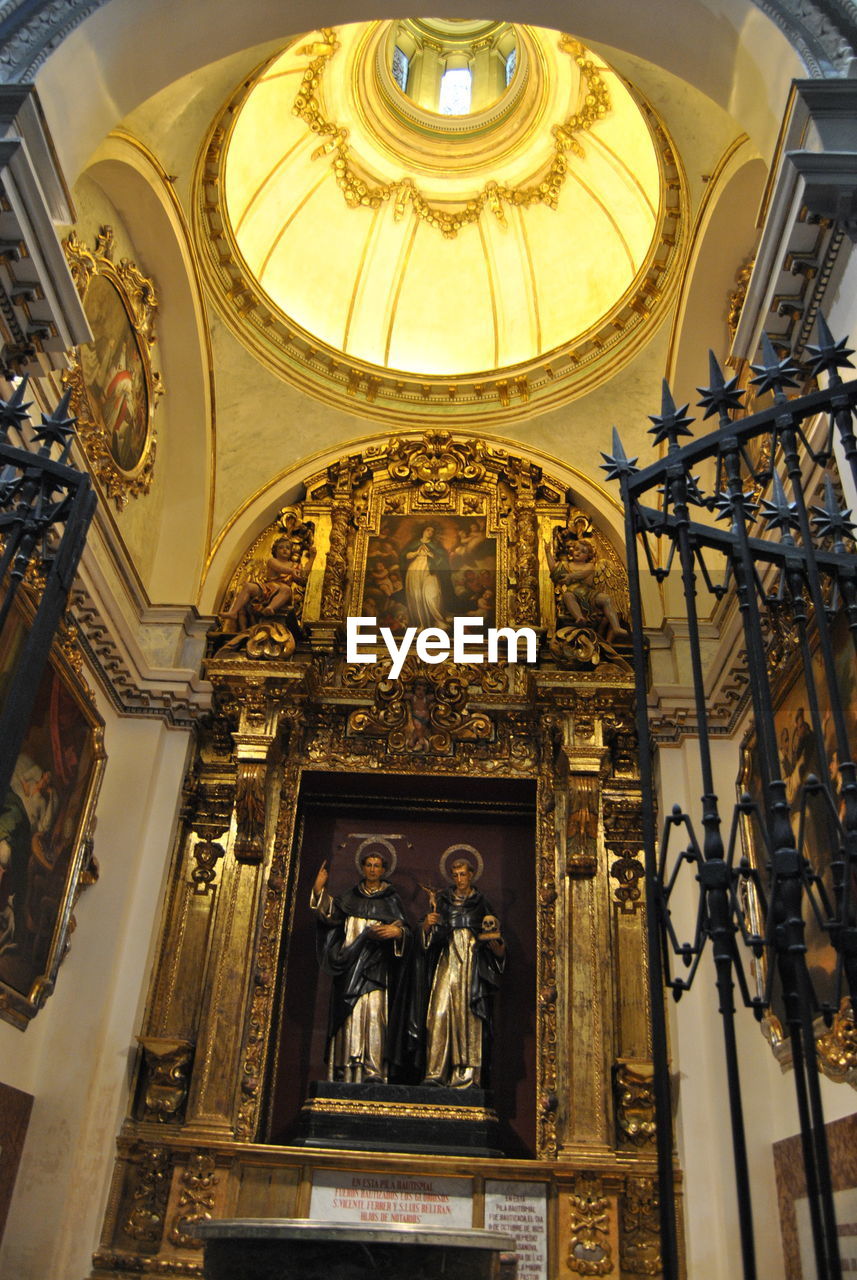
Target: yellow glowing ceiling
x=429, y=245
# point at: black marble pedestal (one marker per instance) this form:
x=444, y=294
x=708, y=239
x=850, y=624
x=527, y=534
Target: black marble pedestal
x=399, y=1117
x=288, y=1248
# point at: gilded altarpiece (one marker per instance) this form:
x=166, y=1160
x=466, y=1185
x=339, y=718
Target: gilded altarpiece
x=297, y=731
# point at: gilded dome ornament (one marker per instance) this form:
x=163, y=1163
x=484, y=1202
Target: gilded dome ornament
x=497, y=317
x=494, y=196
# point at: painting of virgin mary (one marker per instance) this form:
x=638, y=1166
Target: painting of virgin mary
x=428, y=587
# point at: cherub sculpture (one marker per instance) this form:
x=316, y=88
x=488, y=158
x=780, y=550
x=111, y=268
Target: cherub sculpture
x=588, y=588
x=277, y=588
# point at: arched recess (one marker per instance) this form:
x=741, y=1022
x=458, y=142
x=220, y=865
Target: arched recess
x=138, y=188
x=729, y=49
x=726, y=218
x=287, y=488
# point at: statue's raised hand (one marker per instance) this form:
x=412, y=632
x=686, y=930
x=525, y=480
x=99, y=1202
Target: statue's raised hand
x=321, y=878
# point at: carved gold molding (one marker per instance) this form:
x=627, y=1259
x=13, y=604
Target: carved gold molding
x=336, y=1106
x=837, y=1051
x=495, y=196
x=130, y=400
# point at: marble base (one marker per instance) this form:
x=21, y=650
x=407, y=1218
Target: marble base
x=399, y=1117
x=284, y=1249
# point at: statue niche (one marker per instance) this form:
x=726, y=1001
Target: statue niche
x=424, y=1008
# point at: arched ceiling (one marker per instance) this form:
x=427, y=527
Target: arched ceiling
x=440, y=260
x=436, y=262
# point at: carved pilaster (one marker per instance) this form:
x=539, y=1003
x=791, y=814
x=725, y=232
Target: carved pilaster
x=639, y=1247
x=336, y=568
x=526, y=596
x=166, y=1068
x=623, y=843
x=196, y=1199
x=590, y=1248
x=550, y=736
x=150, y=1179
x=257, y=730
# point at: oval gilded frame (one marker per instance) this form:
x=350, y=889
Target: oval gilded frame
x=114, y=388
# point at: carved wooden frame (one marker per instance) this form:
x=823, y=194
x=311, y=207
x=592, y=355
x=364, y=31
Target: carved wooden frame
x=139, y=302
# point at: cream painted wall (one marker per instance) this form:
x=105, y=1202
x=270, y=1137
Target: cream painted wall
x=77, y=1056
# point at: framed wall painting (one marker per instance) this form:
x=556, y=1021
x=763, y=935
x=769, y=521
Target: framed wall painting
x=46, y=825
x=795, y=1228
x=114, y=387
x=425, y=569
x=801, y=756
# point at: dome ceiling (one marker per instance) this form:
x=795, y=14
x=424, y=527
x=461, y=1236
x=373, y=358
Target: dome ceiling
x=437, y=214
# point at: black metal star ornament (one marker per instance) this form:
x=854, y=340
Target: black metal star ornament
x=829, y=521
x=724, y=507
x=671, y=422
x=828, y=355
x=719, y=396
x=618, y=465
x=13, y=412
x=57, y=428
x=779, y=513
x=774, y=374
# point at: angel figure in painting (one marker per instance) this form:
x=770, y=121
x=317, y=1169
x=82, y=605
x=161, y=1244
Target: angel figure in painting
x=466, y=955
x=362, y=933
x=585, y=589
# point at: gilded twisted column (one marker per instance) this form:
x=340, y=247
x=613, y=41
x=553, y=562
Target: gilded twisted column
x=526, y=597
x=336, y=569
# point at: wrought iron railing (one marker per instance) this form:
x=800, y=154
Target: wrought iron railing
x=787, y=558
x=46, y=506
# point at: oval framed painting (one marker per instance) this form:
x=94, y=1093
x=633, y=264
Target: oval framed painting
x=114, y=387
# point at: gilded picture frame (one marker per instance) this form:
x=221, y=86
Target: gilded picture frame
x=837, y=1045
x=46, y=825
x=114, y=388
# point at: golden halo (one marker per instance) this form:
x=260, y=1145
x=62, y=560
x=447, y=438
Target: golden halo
x=461, y=848
x=391, y=858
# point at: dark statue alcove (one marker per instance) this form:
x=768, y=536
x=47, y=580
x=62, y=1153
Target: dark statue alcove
x=421, y=817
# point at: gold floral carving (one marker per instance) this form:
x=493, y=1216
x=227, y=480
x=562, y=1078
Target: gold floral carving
x=639, y=1241
x=196, y=1198
x=837, y=1050
x=589, y=1250
x=358, y=192
x=436, y=462
x=425, y=711
x=206, y=855
x=582, y=842
x=166, y=1069
x=549, y=740
x=145, y=1221
x=137, y=294
x=738, y=296
x=629, y=871
x=635, y=1103
x=250, y=810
